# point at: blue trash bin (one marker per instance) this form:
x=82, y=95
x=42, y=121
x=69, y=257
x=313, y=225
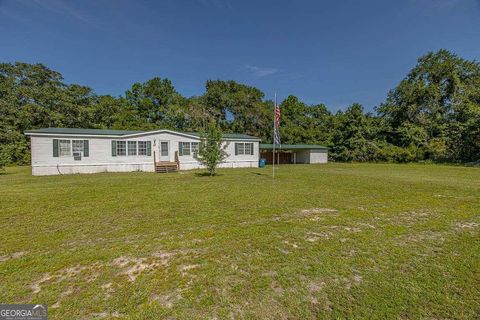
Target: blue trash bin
x=262, y=163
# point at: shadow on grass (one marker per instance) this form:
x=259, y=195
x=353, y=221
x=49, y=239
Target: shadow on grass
x=206, y=174
x=259, y=174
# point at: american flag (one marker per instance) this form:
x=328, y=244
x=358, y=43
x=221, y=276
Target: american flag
x=276, y=126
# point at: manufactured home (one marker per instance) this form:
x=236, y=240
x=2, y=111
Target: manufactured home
x=67, y=150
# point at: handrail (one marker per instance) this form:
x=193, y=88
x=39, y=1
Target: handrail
x=177, y=160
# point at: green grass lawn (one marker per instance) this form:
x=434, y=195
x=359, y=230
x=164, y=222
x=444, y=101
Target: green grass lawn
x=321, y=241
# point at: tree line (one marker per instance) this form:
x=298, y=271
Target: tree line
x=432, y=115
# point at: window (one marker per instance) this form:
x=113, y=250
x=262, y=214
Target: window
x=164, y=149
x=121, y=148
x=184, y=148
x=248, y=148
x=195, y=149
x=77, y=149
x=244, y=148
x=77, y=146
x=64, y=147
x=142, y=148
x=67, y=148
x=132, y=148
x=240, y=148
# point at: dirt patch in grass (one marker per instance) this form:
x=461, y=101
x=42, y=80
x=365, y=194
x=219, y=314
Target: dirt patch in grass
x=102, y=315
x=107, y=289
x=316, y=286
x=65, y=275
x=313, y=214
x=291, y=244
x=426, y=236
x=167, y=300
x=318, y=210
x=64, y=294
x=276, y=288
x=355, y=280
x=36, y=286
x=367, y=225
x=15, y=255
x=164, y=256
x=415, y=216
x=316, y=214
x=467, y=225
x=317, y=236
x=185, y=268
x=133, y=267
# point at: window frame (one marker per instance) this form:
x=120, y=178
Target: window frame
x=241, y=149
x=78, y=142
x=132, y=151
x=185, y=148
x=242, y=152
x=194, y=151
x=124, y=148
x=250, y=147
x=69, y=148
x=142, y=145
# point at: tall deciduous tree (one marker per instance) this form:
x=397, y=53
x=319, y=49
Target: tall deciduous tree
x=33, y=96
x=302, y=123
x=157, y=102
x=437, y=108
x=353, y=138
x=236, y=107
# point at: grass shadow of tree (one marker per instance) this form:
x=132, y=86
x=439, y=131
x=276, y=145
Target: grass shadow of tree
x=206, y=174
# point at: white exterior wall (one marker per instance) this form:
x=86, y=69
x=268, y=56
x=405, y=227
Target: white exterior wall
x=311, y=156
x=100, y=157
x=318, y=156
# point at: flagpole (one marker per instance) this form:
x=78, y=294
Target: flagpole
x=273, y=154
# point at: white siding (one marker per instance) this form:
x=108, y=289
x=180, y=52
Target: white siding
x=100, y=157
x=311, y=156
x=318, y=156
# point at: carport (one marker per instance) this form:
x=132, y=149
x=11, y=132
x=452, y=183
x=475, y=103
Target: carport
x=294, y=153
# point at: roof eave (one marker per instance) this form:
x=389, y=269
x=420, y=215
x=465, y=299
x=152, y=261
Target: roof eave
x=130, y=135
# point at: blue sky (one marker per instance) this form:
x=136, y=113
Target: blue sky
x=332, y=52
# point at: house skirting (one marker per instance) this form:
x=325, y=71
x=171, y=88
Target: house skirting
x=60, y=169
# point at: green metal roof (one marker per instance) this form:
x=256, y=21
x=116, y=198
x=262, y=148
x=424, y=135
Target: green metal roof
x=103, y=132
x=107, y=132
x=229, y=135
x=269, y=146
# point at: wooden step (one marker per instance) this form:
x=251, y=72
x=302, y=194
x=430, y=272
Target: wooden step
x=166, y=167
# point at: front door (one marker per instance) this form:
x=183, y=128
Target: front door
x=164, y=151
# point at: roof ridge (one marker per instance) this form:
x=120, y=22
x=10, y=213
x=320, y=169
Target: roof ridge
x=121, y=132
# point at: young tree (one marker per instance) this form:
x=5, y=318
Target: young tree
x=212, y=149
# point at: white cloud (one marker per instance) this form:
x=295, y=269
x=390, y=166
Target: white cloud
x=261, y=71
